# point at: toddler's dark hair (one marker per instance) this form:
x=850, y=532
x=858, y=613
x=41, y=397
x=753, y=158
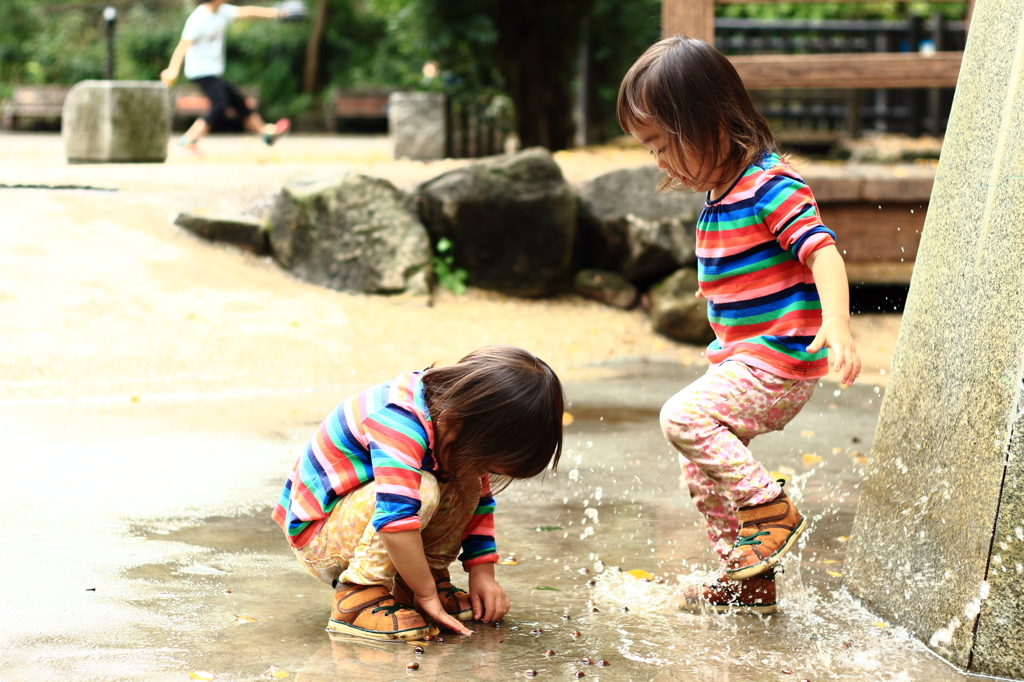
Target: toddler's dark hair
x=508, y=405
x=692, y=92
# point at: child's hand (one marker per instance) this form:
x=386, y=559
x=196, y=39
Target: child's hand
x=835, y=334
x=490, y=603
x=432, y=609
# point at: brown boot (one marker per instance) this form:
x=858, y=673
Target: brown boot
x=370, y=611
x=455, y=602
x=753, y=595
x=767, y=532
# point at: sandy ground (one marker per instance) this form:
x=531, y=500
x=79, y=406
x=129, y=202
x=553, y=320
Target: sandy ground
x=103, y=298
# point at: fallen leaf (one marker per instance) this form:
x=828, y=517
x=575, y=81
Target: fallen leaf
x=546, y=529
x=545, y=587
x=835, y=574
x=788, y=471
x=830, y=561
x=642, y=575
x=201, y=675
x=810, y=458
x=880, y=624
x=836, y=451
x=567, y=418
x=242, y=620
x=277, y=673
x=843, y=538
x=786, y=476
x=508, y=562
x=807, y=434
x=434, y=631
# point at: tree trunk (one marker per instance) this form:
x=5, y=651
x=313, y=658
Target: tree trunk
x=536, y=54
x=316, y=36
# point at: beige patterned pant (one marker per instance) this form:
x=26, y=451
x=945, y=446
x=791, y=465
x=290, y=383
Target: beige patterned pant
x=348, y=549
x=711, y=422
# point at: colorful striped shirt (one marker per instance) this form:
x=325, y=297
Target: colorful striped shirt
x=752, y=249
x=384, y=434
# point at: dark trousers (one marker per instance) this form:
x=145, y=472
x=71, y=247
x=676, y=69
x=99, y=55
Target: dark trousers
x=222, y=97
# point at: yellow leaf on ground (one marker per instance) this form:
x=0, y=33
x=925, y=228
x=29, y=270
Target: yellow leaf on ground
x=201, y=675
x=642, y=575
x=788, y=471
x=242, y=620
x=566, y=418
x=277, y=673
x=508, y=562
x=836, y=451
x=807, y=434
x=830, y=561
x=810, y=458
x=835, y=574
x=880, y=624
x=786, y=476
x=434, y=630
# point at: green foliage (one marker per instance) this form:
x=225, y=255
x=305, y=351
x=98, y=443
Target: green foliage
x=448, y=276
x=18, y=24
x=892, y=11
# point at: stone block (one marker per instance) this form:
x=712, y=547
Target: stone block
x=938, y=541
x=417, y=124
x=116, y=121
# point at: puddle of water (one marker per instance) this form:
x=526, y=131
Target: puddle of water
x=208, y=583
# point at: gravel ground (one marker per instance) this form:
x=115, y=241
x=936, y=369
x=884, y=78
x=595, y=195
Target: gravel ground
x=103, y=298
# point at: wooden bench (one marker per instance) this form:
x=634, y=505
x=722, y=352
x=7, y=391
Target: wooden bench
x=190, y=103
x=365, y=105
x=33, y=102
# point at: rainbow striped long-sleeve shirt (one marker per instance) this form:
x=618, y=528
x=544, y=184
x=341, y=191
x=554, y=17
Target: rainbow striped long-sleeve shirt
x=384, y=434
x=752, y=249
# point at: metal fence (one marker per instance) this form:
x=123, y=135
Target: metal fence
x=821, y=116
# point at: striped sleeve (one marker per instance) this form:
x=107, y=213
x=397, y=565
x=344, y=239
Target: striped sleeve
x=478, y=544
x=397, y=442
x=786, y=206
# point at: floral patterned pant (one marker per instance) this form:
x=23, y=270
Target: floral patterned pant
x=711, y=422
x=348, y=549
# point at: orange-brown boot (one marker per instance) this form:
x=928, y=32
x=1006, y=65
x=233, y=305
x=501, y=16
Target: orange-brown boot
x=767, y=532
x=455, y=601
x=370, y=611
x=753, y=595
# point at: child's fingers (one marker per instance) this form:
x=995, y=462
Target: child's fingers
x=478, y=610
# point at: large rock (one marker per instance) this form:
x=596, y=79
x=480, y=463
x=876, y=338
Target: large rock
x=512, y=221
x=353, y=233
x=238, y=230
x=116, y=121
x=938, y=542
x=605, y=286
x=417, y=124
x=629, y=227
x=677, y=312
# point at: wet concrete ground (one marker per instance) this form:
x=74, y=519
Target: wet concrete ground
x=112, y=573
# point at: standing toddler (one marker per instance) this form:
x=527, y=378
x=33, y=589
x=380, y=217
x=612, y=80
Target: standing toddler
x=777, y=296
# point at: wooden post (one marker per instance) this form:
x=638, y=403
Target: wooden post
x=692, y=18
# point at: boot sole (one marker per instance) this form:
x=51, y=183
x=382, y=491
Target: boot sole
x=766, y=564
x=377, y=635
x=760, y=609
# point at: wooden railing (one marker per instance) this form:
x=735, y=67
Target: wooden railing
x=696, y=18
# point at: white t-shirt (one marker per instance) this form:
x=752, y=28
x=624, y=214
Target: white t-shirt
x=207, y=31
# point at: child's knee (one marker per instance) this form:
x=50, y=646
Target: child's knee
x=679, y=420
